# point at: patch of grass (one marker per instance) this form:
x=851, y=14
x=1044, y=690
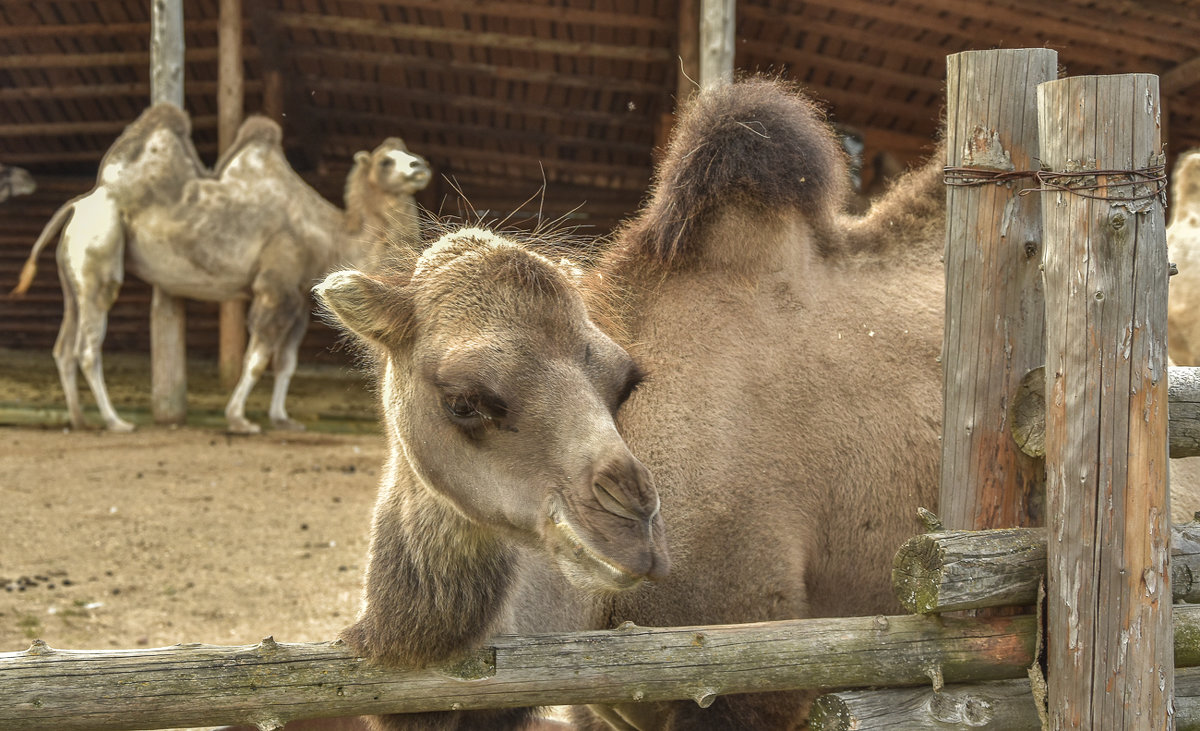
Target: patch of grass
x=30, y=626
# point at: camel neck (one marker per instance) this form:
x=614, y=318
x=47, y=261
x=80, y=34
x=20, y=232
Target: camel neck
x=437, y=584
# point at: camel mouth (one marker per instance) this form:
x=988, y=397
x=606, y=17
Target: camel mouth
x=585, y=566
x=420, y=178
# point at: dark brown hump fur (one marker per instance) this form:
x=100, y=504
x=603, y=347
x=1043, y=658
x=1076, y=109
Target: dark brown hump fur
x=759, y=144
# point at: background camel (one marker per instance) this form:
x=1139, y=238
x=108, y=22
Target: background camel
x=1183, y=311
x=1183, y=245
x=15, y=181
x=773, y=364
x=250, y=229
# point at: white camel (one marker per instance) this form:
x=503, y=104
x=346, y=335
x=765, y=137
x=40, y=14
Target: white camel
x=249, y=229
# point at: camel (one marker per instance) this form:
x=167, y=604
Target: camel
x=746, y=369
x=1183, y=245
x=15, y=181
x=249, y=229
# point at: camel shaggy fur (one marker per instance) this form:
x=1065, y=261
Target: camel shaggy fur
x=15, y=181
x=250, y=229
x=772, y=363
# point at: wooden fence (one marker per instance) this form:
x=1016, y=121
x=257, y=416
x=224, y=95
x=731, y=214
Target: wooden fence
x=1115, y=637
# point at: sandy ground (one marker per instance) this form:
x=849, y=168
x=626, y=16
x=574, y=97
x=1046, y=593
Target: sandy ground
x=181, y=534
x=186, y=534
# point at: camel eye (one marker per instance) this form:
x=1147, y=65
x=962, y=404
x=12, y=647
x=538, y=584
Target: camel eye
x=386, y=162
x=461, y=408
x=474, y=411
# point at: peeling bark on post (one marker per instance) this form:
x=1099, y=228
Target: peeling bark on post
x=230, y=98
x=1108, y=629
x=994, y=315
x=168, y=321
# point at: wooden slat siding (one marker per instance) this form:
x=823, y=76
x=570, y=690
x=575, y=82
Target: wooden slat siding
x=1109, y=660
x=994, y=332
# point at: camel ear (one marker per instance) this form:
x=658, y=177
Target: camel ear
x=361, y=157
x=376, y=311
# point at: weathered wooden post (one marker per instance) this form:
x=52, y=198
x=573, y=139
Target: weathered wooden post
x=168, y=331
x=232, y=346
x=994, y=323
x=1109, y=631
x=717, y=26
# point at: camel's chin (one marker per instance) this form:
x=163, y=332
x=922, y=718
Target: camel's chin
x=583, y=566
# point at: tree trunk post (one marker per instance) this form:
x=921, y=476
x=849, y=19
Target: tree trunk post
x=994, y=317
x=1109, y=632
x=717, y=34
x=232, y=346
x=168, y=321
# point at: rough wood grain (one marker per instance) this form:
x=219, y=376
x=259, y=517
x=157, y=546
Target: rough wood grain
x=1002, y=705
x=230, y=98
x=951, y=571
x=1183, y=406
x=1108, y=629
x=994, y=314
x=1183, y=413
x=199, y=685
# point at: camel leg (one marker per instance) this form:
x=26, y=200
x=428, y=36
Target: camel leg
x=93, y=324
x=91, y=260
x=258, y=356
x=277, y=316
x=285, y=366
x=65, y=353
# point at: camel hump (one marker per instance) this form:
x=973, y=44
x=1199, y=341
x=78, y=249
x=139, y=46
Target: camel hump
x=255, y=130
x=759, y=144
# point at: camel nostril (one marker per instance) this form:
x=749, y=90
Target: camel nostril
x=608, y=494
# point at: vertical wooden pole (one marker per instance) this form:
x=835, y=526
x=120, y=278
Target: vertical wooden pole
x=716, y=41
x=168, y=322
x=232, y=344
x=272, y=105
x=1109, y=655
x=994, y=331
x=687, y=71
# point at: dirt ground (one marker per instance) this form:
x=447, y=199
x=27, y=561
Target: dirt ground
x=181, y=534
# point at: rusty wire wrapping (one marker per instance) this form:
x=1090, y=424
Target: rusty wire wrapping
x=1154, y=178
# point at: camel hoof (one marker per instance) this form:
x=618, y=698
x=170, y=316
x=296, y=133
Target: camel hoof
x=120, y=426
x=287, y=425
x=243, y=426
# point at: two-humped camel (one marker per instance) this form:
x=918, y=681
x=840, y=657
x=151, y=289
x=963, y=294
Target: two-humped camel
x=250, y=229
x=772, y=364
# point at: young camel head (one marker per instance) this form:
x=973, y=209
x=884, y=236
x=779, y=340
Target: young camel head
x=392, y=169
x=499, y=394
